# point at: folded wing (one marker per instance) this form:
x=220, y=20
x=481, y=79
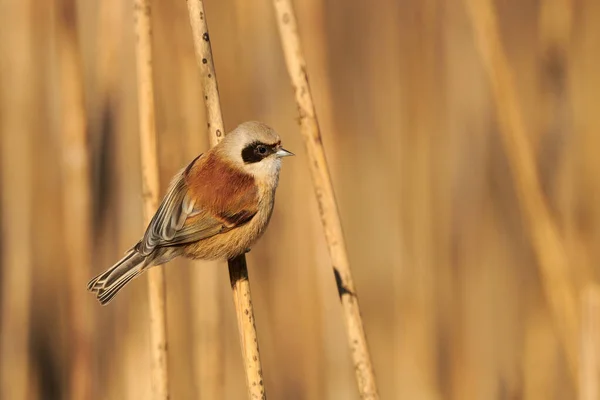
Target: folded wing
x=203, y=200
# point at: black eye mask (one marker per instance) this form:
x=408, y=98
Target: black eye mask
x=257, y=151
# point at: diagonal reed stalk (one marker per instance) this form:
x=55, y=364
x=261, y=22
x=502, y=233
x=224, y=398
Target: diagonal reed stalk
x=296, y=65
x=150, y=182
x=76, y=199
x=546, y=240
x=238, y=270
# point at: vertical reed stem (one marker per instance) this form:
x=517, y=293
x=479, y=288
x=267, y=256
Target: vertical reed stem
x=17, y=101
x=590, y=348
x=546, y=241
x=77, y=200
x=296, y=65
x=238, y=271
x=150, y=182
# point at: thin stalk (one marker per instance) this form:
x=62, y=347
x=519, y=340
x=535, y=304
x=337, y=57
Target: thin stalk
x=77, y=198
x=17, y=131
x=330, y=218
x=590, y=349
x=546, y=240
x=150, y=182
x=238, y=270
x=206, y=66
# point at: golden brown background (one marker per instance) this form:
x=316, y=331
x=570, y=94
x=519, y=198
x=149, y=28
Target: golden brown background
x=451, y=295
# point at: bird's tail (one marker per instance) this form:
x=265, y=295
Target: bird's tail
x=107, y=284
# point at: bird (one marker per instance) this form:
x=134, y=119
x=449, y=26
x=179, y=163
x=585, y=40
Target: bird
x=215, y=208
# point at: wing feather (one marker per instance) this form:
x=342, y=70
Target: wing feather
x=185, y=216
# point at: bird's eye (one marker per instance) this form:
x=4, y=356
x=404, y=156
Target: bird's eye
x=261, y=149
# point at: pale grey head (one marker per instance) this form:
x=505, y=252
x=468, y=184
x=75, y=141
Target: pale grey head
x=254, y=147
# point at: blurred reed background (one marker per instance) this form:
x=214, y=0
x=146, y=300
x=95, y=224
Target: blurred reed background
x=446, y=272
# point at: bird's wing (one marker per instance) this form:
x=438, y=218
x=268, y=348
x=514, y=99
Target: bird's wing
x=186, y=215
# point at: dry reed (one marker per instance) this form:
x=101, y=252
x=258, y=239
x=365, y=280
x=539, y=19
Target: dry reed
x=590, y=350
x=238, y=271
x=546, y=240
x=150, y=182
x=76, y=199
x=296, y=65
x=16, y=173
x=17, y=80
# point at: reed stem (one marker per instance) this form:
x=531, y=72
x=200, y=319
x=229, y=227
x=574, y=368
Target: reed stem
x=238, y=270
x=18, y=80
x=150, y=182
x=546, y=240
x=590, y=348
x=77, y=197
x=330, y=218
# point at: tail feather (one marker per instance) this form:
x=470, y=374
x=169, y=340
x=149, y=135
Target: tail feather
x=106, y=294
x=107, y=284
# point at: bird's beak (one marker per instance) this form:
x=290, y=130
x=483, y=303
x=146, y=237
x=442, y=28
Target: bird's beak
x=283, y=153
